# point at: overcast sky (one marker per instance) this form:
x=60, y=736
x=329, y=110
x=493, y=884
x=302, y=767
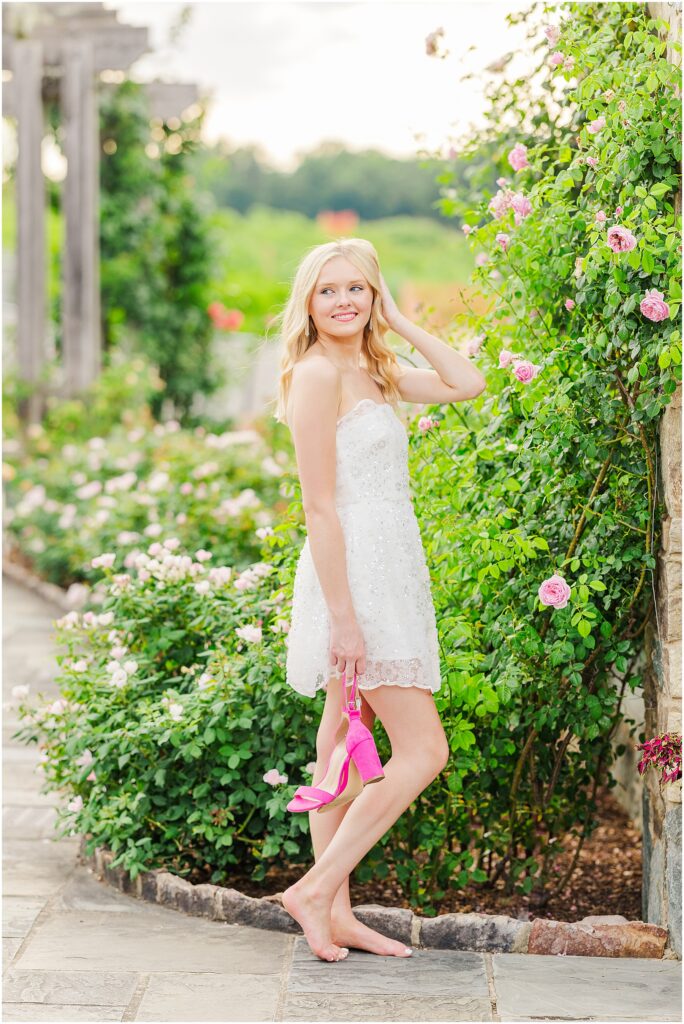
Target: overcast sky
x=289, y=75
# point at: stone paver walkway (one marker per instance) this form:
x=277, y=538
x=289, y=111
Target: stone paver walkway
x=76, y=949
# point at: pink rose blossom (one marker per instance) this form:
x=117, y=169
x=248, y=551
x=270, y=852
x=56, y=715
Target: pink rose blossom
x=504, y=240
x=569, y=304
x=502, y=182
x=600, y=216
x=592, y=161
x=505, y=358
x=596, y=125
x=653, y=306
x=474, y=345
x=466, y=229
x=517, y=157
x=274, y=777
x=521, y=205
x=569, y=63
x=91, y=777
x=620, y=239
x=618, y=211
x=554, y=591
x=525, y=371
x=500, y=204
x=481, y=259
x=105, y=561
x=552, y=33
x=426, y=423
x=556, y=58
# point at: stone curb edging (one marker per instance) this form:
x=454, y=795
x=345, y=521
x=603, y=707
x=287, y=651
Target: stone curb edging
x=609, y=935
x=20, y=574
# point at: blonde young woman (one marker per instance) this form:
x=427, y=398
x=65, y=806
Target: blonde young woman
x=361, y=602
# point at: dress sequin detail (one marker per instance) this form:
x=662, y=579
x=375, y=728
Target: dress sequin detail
x=386, y=567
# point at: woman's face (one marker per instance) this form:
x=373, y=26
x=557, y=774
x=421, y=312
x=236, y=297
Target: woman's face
x=340, y=289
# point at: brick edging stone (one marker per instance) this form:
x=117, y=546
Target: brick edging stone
x=609, y=936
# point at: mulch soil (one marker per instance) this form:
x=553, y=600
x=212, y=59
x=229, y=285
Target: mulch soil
x=606, y=879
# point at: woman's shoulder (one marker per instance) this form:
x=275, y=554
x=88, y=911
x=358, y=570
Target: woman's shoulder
x=313, y=370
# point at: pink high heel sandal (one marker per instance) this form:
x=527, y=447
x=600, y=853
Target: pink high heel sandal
x=354, y=763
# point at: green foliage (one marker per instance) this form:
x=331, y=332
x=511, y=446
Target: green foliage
x=330, y=177
x=258, y=254
x=156, y=259
x=169, y=719
x=72, y=493
x=557, y=475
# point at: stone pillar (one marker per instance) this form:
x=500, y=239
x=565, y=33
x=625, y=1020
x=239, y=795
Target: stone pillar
x=31, y=286
x=81, y=279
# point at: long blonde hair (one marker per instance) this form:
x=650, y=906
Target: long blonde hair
x=294, y=318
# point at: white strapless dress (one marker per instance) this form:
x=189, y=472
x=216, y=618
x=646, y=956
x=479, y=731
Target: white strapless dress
x=386, y=568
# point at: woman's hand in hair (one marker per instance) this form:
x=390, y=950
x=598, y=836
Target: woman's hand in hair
x=389, y=308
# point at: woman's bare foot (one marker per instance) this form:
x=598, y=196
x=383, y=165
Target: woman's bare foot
x=349, y=931
x=313, y=915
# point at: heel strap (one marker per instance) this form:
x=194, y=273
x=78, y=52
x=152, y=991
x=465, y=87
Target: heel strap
x=354, y=700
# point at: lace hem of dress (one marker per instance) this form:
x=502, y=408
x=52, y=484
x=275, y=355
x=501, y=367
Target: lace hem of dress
x=381, y=672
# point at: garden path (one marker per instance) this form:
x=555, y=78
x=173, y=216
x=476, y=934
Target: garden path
x=76, y=949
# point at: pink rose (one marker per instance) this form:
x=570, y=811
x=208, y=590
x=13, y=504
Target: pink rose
x=569, y=304
x=517, y=157
x=481, y=259
x=569, y=63
x=620, y=239
x=618, y=211
x=502, y=182
x=426, y=423
x=466, y=229
x=273, y=777
x=600, y=216
x=653, y=306
x=500, y=204
x=474, y=345
x=505, y=358
x=504, y=240
x=554, y=592
x=525, y=371
x=552, y=33
x=592, y=161
x=595, y=126
x=556, y=58
x=521, y=206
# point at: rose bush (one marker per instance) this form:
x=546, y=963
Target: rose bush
x=539, y=502
x=67, y=501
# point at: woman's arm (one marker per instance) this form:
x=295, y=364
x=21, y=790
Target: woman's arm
x=315, y=391
x=454, y=378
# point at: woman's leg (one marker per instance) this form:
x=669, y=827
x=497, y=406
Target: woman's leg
x=347, y=930
x=419, y=753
